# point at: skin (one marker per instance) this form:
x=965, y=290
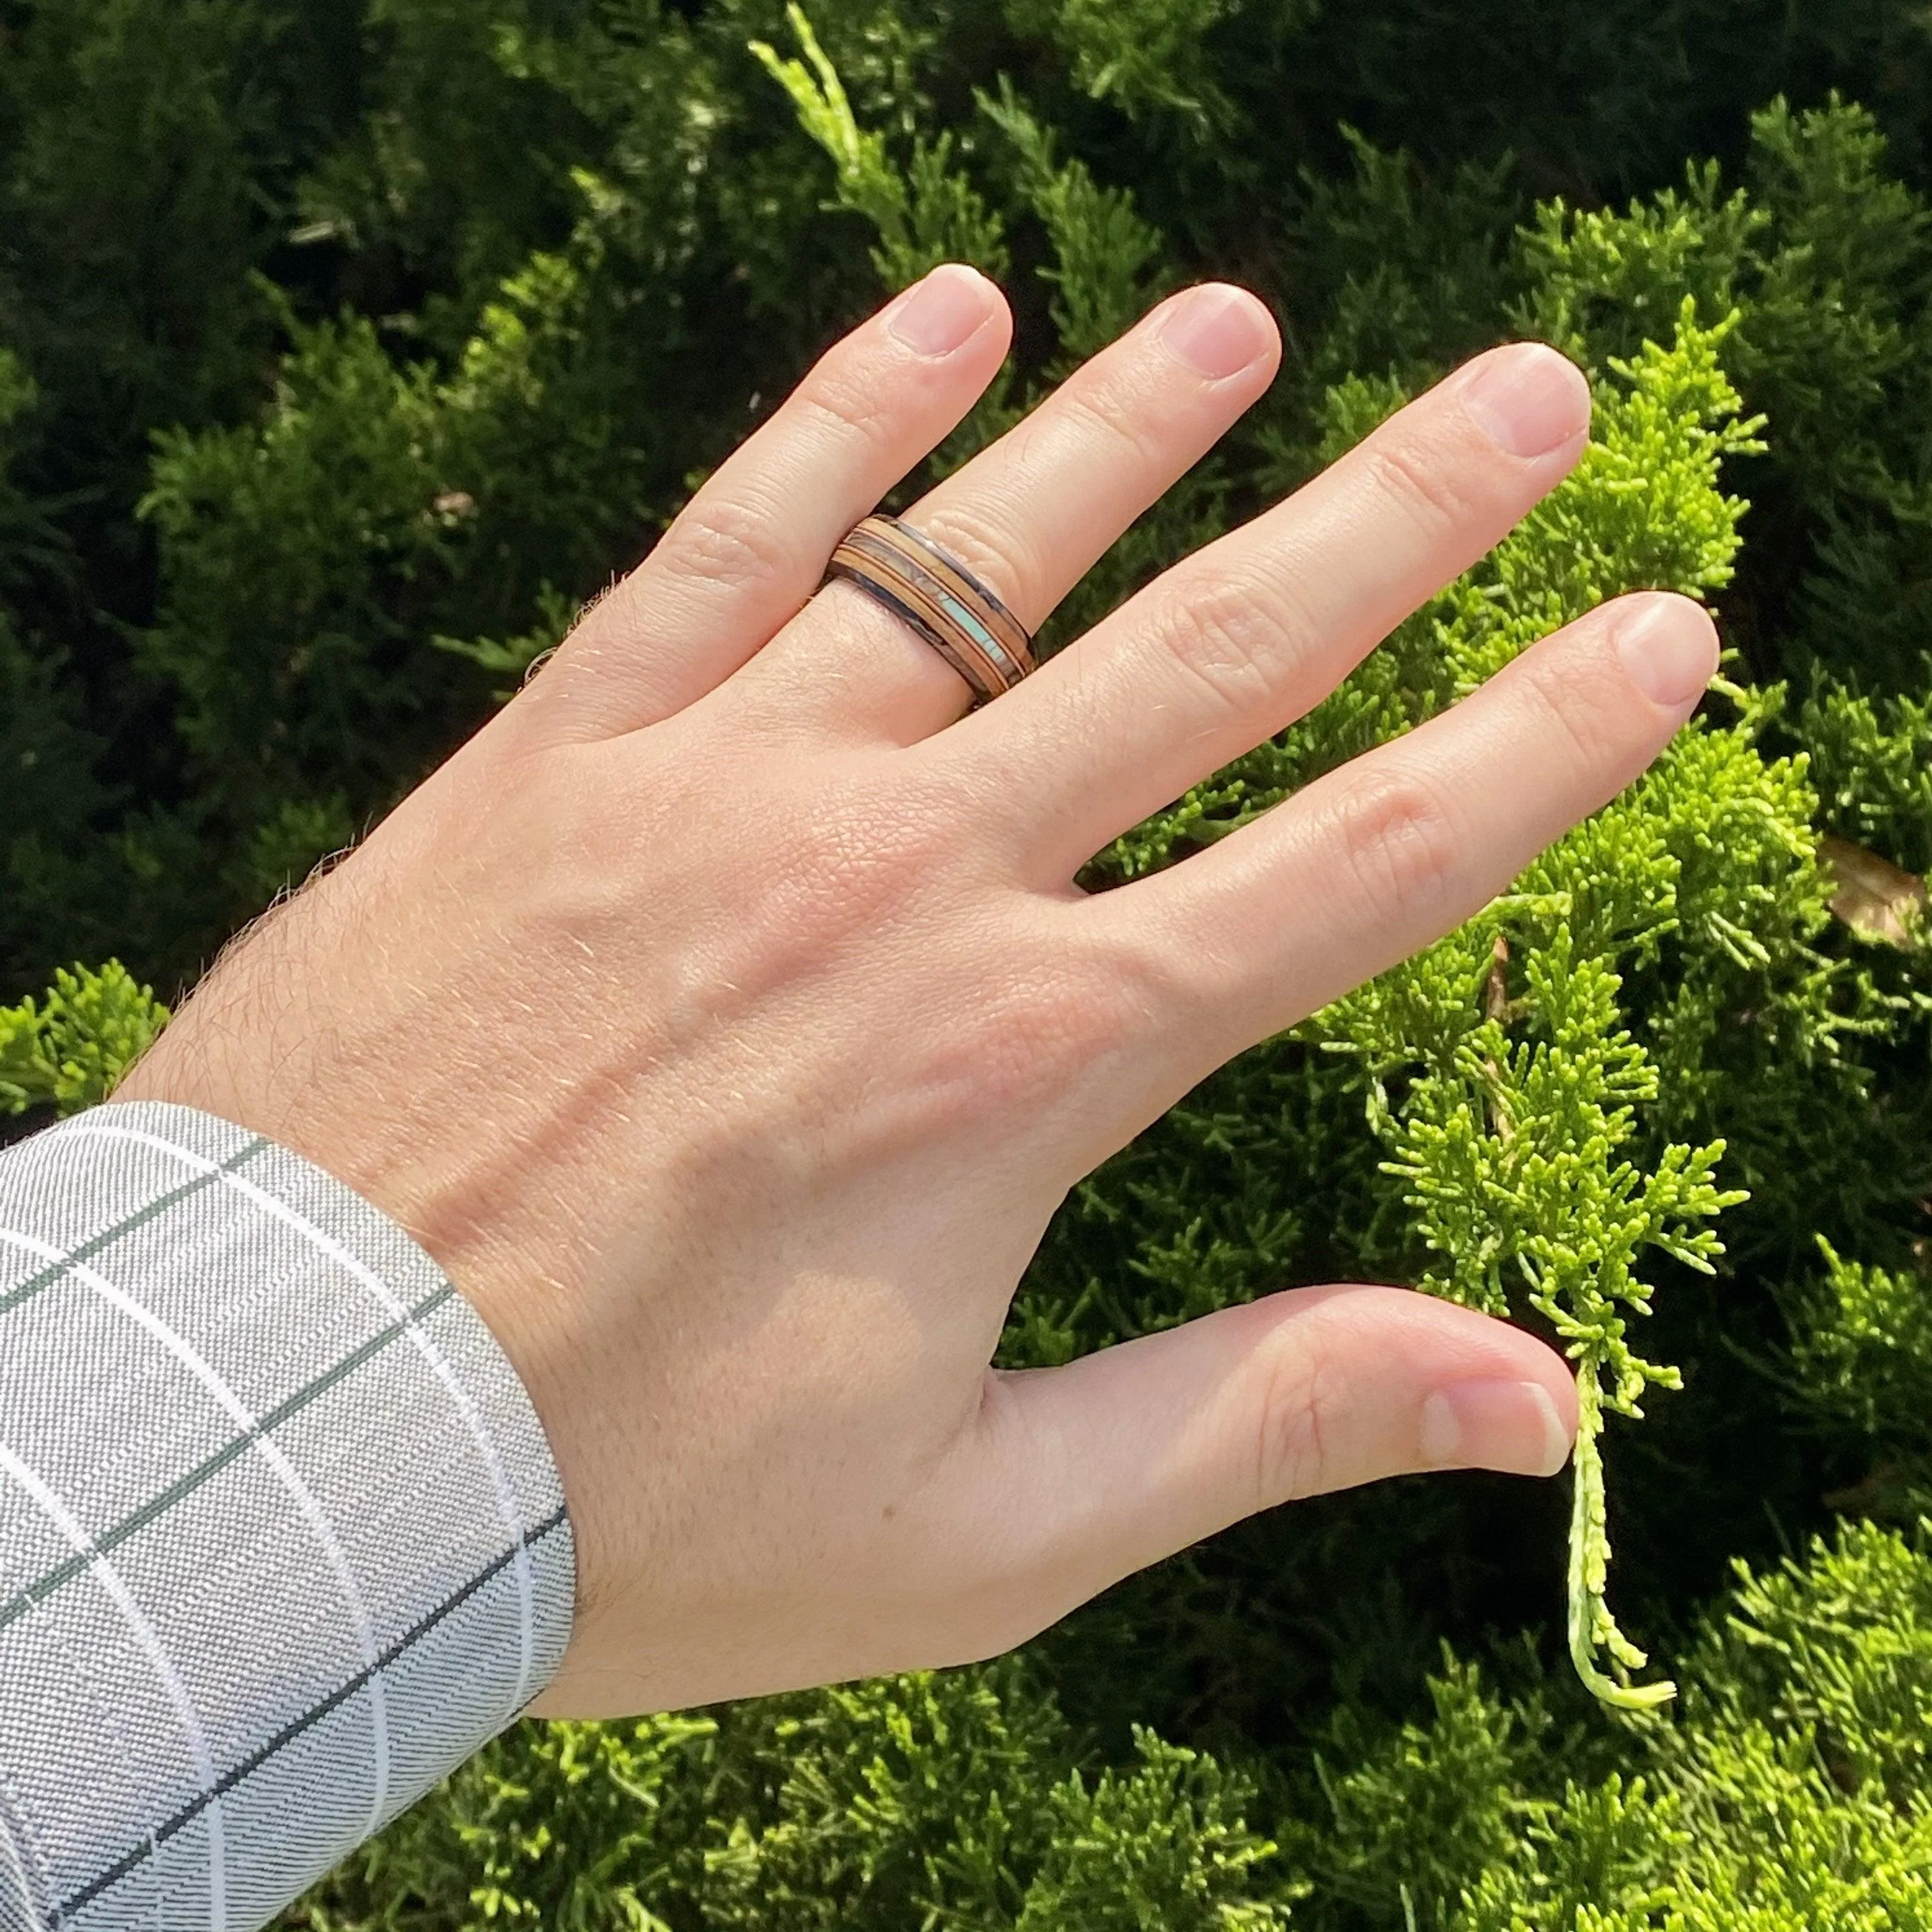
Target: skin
x=724, y=1018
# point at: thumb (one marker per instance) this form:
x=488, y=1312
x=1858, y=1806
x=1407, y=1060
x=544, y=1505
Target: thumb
x=1102, y=1467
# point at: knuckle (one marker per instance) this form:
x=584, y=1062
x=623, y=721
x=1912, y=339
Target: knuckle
x=1398, y=840
x=1424, y=487
x=996, y=552
x=1227, y=638
x=849, y=403
x=1304, y=1400
x=1568, y=708
x=724, y=541
x=1111, y=419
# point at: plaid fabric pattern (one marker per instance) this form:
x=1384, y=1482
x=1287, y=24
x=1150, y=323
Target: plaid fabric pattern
x=281, y=1541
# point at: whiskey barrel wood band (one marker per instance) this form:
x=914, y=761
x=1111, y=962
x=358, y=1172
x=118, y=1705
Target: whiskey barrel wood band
x=939, y=597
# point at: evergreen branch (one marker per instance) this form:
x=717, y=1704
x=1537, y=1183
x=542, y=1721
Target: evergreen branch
x=1591, y=1626
x=927, y=214
x=71, y=1048
x=1516, y=1112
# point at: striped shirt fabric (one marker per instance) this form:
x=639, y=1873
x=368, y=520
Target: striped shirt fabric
x=281, y=1540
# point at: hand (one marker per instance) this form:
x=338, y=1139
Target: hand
x=725, y=1019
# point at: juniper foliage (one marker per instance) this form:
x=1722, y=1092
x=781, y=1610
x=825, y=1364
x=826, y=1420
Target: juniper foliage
x=68, y=1050
x=435, y=312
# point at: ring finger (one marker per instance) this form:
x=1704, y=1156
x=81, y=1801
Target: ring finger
x=1029, y=515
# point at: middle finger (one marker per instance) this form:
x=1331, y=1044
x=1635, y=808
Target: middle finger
x=1243, y=637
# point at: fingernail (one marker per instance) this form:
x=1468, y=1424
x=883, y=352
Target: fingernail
x=1217, y=331
x=1670, y=647
x=934, y=317
x=1527, y=400
x=1510, y=1426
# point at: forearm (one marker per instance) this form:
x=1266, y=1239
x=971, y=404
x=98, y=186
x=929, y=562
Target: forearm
x=281, y=1541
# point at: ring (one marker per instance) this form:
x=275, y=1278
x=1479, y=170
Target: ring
x=938, y=597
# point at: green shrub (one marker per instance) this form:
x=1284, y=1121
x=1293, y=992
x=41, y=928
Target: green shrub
x=347, y=350
x=68, y=1050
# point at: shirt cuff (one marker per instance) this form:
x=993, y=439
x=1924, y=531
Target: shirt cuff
x=281, y=1540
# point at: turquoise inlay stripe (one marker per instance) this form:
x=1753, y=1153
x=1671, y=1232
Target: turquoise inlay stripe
x=961, y=616
x=909, y=571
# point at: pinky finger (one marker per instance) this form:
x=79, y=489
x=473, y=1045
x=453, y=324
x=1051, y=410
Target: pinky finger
x=750, y=548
